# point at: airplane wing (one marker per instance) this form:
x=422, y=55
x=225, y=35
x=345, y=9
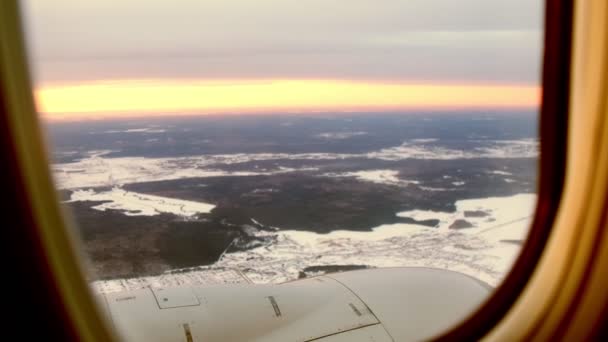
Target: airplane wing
x=391, y=304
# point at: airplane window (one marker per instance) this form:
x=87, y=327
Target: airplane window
x=211, y=145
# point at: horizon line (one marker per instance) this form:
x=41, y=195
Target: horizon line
x=400, y=111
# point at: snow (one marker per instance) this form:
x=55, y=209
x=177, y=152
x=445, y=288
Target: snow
x=134, y=130
x=136, y=204
x=187, y=277
x=389, y=177
x=524, y=148
x=426, y=140
x=340, y=135
x=97, y=170
x=502, y=173
x=485, y=252
x=480, y=251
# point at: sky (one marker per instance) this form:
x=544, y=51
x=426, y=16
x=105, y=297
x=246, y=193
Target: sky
x=95, y=58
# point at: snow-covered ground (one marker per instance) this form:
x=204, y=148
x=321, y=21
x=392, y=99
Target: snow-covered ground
x=136, y=204
x=206, y=277
x=481, y=238
x=415, y=149
x=501, y=173
x=134, y=130
x=340, y=135
x=389, y=177
x=485, y=251
x=97, y=170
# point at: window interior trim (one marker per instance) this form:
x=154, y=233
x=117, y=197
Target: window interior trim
x=567, y=295
x=60, y=253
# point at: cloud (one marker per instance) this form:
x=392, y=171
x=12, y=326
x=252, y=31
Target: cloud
x=467, y=40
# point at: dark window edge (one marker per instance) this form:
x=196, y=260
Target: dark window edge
x=553, y=133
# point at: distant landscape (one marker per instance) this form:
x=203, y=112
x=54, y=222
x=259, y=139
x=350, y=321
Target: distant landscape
x=281, y=197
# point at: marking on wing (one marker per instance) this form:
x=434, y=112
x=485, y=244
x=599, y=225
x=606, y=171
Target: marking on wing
x=275, y=306
x=188, y=333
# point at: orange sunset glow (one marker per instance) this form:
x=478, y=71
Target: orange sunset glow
x=157, y=97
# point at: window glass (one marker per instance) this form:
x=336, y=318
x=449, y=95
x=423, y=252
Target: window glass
x=216, y=142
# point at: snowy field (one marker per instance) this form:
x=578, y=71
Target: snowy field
x=136, y=204
x=97, y=170
x=481, y=238
x=485, y=251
